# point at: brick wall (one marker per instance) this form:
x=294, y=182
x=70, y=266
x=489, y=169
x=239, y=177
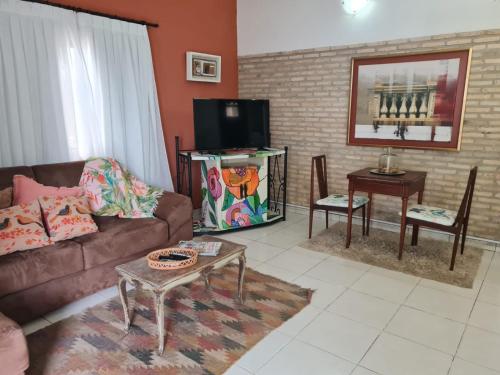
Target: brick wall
x=309, y=95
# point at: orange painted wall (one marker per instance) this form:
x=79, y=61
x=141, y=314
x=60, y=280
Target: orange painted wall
x=185, y=25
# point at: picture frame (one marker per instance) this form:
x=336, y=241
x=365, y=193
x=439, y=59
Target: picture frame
x=409, y=100
x=203, y=67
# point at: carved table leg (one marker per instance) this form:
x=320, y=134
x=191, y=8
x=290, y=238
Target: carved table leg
x=242, y=263
x=122, y=289
x=159, y=301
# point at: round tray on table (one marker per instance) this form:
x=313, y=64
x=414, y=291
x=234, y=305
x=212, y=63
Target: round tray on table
x=155, y=263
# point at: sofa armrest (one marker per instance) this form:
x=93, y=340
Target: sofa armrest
x=176, y=210
x=14, y=357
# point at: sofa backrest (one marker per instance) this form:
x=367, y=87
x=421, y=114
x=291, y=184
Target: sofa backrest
x=60, y=174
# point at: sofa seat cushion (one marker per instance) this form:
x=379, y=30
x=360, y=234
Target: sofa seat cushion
x=121, y=238
x=23, y=270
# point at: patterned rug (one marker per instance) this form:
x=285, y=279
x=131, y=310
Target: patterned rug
x=430, y=259
x=207, y=331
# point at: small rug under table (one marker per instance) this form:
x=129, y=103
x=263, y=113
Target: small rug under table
x=206, y=331
x=430, y=259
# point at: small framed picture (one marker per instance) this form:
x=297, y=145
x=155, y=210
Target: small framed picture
x=203, y=67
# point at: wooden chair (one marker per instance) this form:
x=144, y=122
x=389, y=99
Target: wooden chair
x=333, y=202
x=445, y=220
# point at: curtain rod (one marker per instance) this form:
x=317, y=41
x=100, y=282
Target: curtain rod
x=81, y=10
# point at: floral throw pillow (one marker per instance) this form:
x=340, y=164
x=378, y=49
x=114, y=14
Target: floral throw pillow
x=21, y=228
x=67, y=217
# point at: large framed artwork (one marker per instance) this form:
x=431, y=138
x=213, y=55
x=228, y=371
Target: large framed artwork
x=414, y=101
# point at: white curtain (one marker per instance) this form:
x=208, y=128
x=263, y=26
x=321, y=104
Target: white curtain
x=74, y=86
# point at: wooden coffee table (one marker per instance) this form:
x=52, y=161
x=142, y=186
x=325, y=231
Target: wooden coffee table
x=158, y=283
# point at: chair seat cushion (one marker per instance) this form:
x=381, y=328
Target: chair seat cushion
x=431, y=214
x=23, y=270
x=121, y=238
x=342, y=200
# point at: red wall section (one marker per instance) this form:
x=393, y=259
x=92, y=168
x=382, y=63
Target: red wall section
x=207, y=26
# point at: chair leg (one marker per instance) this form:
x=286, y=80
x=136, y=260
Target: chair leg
x=326, y=213
x=455, y=248
x=414, y=235
x=464, y=237
x=363, y=210
x=311, y=214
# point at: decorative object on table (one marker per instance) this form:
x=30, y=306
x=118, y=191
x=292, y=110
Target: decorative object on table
x=21, y=228
x=443, y=219
x=112, y=190
x=414, y=101
x=334, y=202
x=159, y=259
x=404, y=186
x=204, y=248
x=203, y=67
x=430, y=259
x=67, y=217
x=388, y=163
x=208, y=332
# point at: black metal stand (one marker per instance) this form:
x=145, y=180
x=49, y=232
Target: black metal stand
x=276, y=181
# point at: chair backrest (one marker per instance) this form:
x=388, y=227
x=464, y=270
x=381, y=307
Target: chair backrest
x=464, y=210
x=318, y=163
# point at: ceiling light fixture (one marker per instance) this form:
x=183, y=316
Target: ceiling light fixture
x=353, y=7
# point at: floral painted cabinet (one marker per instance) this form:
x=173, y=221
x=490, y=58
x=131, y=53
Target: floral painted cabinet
x=234, y=194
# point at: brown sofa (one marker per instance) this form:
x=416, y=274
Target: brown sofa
x=35, y=282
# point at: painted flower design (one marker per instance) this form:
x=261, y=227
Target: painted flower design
x=238, y=215
x=234, y=178
x=213, y=183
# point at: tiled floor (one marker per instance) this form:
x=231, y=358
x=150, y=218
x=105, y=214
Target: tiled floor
x=362, y=320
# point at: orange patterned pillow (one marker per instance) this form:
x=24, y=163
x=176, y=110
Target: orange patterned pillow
x=21, y=228
x=67, y=217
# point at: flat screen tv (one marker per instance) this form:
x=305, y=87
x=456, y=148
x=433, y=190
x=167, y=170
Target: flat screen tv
x=231, y=123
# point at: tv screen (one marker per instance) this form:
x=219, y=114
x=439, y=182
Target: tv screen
x=226, y=123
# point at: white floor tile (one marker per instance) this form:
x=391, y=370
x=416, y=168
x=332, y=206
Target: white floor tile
x=297, y=323
x=278, y=272
x=285, y=238
x=262, y=252
x=235, y=237
x=340, y=336
x=298, y=358
x=362, y=371
x=391, y=355
x=388, y=288
x=257, y=232
x=427, y=329
x=490, y=293
x=236, y=370
x=261, y=353
x=75, y=307
x=440, y=303
x=447, y=288
x=334, y=273
x=486, y=316
x=296, y=259
x=350, y=263
x=35, y=325
x=324, y=293
x=461, y=367
x=481, y=348
x=364, y=308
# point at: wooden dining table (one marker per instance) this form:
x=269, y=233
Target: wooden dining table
x=403, y=186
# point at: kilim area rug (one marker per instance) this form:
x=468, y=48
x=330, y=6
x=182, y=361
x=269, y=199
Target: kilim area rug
x=430, y=259
x=206, y=330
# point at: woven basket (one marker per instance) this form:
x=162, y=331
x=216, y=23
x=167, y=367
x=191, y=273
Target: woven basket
x=155, y=263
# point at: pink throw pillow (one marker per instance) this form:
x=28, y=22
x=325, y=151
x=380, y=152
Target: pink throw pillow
x=67, y=217
x=27, y=190
x=21, y=228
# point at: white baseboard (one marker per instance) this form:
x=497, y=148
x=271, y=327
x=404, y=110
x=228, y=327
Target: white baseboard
x=482, y=243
